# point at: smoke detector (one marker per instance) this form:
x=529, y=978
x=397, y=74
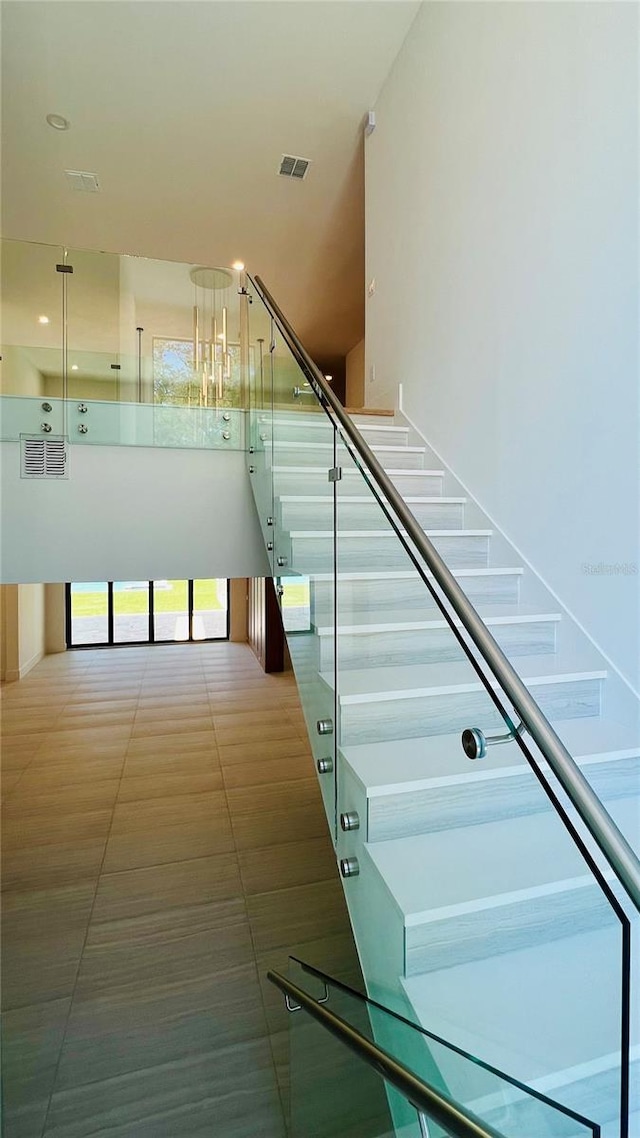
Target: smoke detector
x=292, y=166
x=82, y=180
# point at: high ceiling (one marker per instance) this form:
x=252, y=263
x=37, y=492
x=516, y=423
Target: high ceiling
x=183, y=108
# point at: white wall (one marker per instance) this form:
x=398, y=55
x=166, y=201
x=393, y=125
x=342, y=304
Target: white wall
x=355, y=376
x=130, y=513
x=502, y=231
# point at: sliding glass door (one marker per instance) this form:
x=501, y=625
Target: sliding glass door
x=108, y=613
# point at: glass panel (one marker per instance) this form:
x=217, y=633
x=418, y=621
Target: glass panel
x=260, y=428
x=494, y=1097
x=31, y=321
x=296, y=610
x=130, y=612
x=100, y=343
x=171, y=610
x=210, y=609
x=89, y=613
x=500, y=929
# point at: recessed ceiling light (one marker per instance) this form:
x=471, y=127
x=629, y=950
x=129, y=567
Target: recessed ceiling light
x=74, y=367
x=58, y=122
x=328, y=378
x=238, y=266
x=43, y=320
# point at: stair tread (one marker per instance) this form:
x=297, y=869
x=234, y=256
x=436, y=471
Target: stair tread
x=473, y=872
x=303, y=444
x=380, y=534
x=437, y=500
x=413, y=764
x=517, y=1016
x=321, y=471
x=361, y=622
x=361, y=685
x=323, y=423
x=412, y=574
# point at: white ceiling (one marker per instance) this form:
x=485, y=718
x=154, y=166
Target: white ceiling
x=183, y=108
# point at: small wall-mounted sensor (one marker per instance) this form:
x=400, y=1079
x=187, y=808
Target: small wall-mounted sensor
x=370, y=123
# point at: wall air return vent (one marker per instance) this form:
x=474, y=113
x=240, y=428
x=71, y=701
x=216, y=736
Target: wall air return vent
x=293, y=167
x=83, y=181
x=43, y=458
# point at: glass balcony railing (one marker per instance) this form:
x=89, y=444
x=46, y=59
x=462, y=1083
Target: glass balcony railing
x=156, y=351
x=493, y=902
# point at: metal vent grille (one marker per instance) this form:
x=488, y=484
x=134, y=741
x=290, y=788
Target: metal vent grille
x=43, y=458
x=293, y=167
x=83, y=180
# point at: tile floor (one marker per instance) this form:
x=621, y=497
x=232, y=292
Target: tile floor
x=164, y=844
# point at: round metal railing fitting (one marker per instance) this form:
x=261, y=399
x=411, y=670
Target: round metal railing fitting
x=82, y=429
x=324, y=726
x=226, y=435
x=350, y=820
x=46, y=407
x=82, y=408
x=282, y=561
x=325, y=766
x=475, y=742
x=349, y=866
x=46, y=428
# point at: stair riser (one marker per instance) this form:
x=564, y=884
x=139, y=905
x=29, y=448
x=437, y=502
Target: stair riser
x=284, y=455
x=362, y=554
x=322, y=431
x=365, y=515
x=384, y=597
x=435, y=808
x=431, y=646
x=316, y=481
x=448, y=714
x=503, y=928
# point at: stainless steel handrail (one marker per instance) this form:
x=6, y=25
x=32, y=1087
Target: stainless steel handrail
x=614, y=845
x=434, y=1104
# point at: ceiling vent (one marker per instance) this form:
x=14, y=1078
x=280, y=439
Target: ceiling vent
x=293, y=167
x=81, y=180
x=43, y=458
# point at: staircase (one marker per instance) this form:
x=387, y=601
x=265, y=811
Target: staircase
x=474, y=911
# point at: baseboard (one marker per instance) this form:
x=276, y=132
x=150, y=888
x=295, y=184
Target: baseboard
x=28, y=667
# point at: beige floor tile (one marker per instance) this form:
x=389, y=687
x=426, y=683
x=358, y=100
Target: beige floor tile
x=286, y=916
x=53, y=865
x=259, y=771
x=284, y=811
x=164, y=763
x=171, y=843
x=228, y=1091
x=31, y=1041
x=156, y=785
x=255, y=733
x=293, y=863
x=180, y=809
x=43, y=934
x=171, y=725
x=53, y=772
x=166, y=887
x=27, y=830
x=28, y=801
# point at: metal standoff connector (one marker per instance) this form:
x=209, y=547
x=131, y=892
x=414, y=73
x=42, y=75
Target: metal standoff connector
x=324, y=726
x=325, y=766
x=46, y=427
x=349, y=866
x=82, y=428
x=350, y=820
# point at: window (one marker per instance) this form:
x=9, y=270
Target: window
x=106, y=613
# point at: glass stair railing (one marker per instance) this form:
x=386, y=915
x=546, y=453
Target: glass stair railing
x=359, y=1070
x=461, y=748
